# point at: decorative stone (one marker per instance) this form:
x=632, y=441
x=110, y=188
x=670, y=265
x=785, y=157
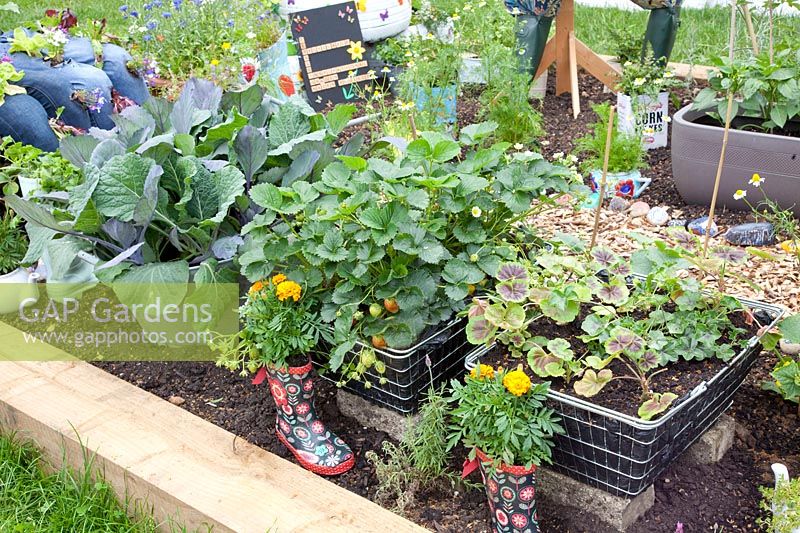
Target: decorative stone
x=790, y=348
x=638, y=209
x=698, y=226
x=751, y=234
x=176, y=400
x=712, y=445
x=677, y=222
x=618, y=204
x=658, y=216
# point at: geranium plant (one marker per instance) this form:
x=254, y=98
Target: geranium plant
x=631, y=328
x=396, y=246
x=503, y=415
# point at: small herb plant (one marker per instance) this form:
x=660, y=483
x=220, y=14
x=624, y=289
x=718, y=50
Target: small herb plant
x=643, y=324
x=395, y=247
x=280, y=325
x=502, y=414
x=782, y=505
x=51, y=171
x=647, y=77
x=13, y=242
x=765, y=90
x=626, y=153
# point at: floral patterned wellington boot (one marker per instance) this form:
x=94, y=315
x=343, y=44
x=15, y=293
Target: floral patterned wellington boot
x=298, y=426
x=512, y=497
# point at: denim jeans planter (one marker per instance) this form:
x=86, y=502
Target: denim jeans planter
x=439, y=101
x=626, y=184
x=23, y=118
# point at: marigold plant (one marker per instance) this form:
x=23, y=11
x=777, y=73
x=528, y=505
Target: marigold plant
x=504, y=415
x=279, y=322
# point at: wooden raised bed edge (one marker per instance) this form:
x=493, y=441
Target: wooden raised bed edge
x=164, y=457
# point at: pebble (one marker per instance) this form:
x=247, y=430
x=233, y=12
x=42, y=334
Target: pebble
x=176, y=400
x=638, y=209
x=618, y=204
x=751, y=234
x=658, y=216
x=790, y=348
x=698, y=226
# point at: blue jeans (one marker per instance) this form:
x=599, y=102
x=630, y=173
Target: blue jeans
x=115, y=65
x=24, y=119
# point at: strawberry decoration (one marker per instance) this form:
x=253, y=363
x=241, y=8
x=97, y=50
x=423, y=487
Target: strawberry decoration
x=286, y=84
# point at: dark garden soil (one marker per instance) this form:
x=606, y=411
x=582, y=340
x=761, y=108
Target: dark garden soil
x=624, y=395
x=724, y=495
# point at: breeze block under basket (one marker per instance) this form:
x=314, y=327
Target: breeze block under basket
x=408, y=374
x=624, y=455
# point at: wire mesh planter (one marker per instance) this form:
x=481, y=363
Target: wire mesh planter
x=624, y=455
x=410, y=371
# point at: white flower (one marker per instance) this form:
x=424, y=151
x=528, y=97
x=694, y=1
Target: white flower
x=756, y=180
x=519, y=146
x=558, y=155
x=739, y=194
x=638, y=82
x=476, y=211
x=667, y=119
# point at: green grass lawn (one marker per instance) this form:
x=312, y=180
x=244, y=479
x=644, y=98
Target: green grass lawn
x=33, y=500
x=702, y=36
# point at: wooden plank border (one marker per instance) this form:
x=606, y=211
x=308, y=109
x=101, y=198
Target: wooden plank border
x=171, y=460
x=683, y=70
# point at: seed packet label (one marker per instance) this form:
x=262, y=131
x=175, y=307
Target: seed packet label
x=650, y=116
x=333, y=59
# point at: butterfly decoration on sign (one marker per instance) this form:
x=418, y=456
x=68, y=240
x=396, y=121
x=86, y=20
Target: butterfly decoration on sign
x=300, y=22
x=384, y=14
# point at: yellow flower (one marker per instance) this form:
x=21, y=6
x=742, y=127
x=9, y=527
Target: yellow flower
x=288, y=289
x=739, y=194
x=278, y=278
x=226, y=45
x=788, y=247
x=356, y=51
x=258, y=286
x=482, y=371
x=517, y=382
x=756, y=180
x=215, y=62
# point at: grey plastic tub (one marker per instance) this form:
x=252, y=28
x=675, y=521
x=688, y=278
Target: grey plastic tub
x=695, y=155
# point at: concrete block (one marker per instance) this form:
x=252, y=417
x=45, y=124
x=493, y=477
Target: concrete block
x=713, y=444
x=618, y=512
x=372, y=416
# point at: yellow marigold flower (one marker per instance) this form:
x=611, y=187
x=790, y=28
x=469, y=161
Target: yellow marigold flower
x=288, y=289
x=226, y=45
x=258, y=286
x=517, y=382
x=277, y=278
x=482, y=371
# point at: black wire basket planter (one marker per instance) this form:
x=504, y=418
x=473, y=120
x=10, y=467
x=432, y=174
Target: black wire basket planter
x=411, y=371
x=624, y=455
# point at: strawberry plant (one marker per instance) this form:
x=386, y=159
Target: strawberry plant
x=394, y=247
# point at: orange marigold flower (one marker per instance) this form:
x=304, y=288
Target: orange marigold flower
x=288, y=289
x=517, y=382
x=258, y=286
x=278, y=278
x=482, y=371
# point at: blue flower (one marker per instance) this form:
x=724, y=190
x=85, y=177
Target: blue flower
x=177, y=3
x=158, y=3
x=134, y=14
x=230, y=23
x=123, y=8
x=148, y=7
x=151, y=25
x=166, y=14
x=148, y=37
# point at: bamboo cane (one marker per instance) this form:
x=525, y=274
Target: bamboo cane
x=748, y=21
x=602, y=189
x=731, y=42
x=413, y=126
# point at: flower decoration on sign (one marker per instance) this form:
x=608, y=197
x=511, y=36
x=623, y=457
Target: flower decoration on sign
x=356, y=51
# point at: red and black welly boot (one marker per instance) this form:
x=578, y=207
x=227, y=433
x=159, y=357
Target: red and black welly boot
x=298, y=426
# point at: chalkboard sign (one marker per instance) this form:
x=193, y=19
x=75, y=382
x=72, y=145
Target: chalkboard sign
x=332, y=55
